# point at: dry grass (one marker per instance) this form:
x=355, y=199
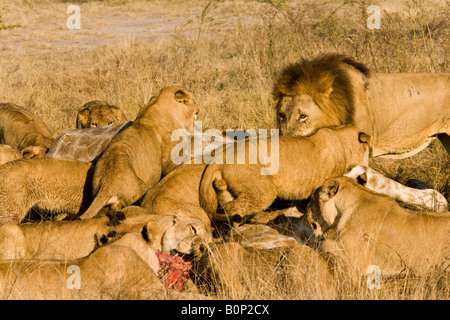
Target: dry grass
x=227, y=53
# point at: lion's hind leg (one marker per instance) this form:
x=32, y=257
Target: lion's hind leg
x=252, y=195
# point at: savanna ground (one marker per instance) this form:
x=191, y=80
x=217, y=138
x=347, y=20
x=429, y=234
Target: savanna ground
x=227, y=53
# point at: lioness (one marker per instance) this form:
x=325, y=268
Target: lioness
x=84, y=144
x=178, y=189
x=99, y=113
x=55, y=185
x=402, y=113
x=117, y=271
x=24, y=131
x=303, y=164
x=373, y=229
x=137, y=157
x=126, y=268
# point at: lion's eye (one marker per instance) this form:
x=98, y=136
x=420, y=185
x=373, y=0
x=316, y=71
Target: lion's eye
x=193, y=230
x=93, y=125
x=302, y=117
x=110, y=123
x=282, y=115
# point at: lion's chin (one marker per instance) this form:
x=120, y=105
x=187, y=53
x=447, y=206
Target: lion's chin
x=299, y=133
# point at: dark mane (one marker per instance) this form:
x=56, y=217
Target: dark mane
x=319, y=76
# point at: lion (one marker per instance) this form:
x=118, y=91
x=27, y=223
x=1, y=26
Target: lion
x=8, y=153
x=54, y=185
x=373, y=229
x=338, y=150
x=24, y=131
x=178, y=189
x=403, y=113
x=428, y=199
x=99, y=113
x=180, y=232
x=84, y=145
x=115, y=271
x=61, y=239
x=138, y=156
x=124, y=267
x=12, y=242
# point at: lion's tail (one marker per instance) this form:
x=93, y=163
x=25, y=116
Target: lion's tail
x=99, y=202
x=207, y=194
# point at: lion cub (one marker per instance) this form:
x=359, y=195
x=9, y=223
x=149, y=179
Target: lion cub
x=137, y=157
x=303, y=164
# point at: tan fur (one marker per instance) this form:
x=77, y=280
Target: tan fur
x=111, y=272
x=8, y=153
x=428, y=199
x=84, y=144
x=338, y=150
x=178, y=189
x=71, y=239
x=12, y=242
x=24, y=131
x=56, y=185
x=401, y=112
x=373, y=229
x=124, y=269
x=182, y=232
x=137, y=157
x=99, y=113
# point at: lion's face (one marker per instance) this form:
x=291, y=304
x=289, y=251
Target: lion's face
x=300, y=115
x=185, y=235
x=98, y=113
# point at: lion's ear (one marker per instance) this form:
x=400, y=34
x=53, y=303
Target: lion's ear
x=362, y=179
x=82, y=117
x=364, y=137
x=182, y=96
x=329, y=190
x=33, y=152
x=150, y=231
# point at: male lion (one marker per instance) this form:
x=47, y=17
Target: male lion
x=402, y=113
x=24, y=131
x=99, y=113
x=304, y=162
x=137, y=157
x=373, y=229
x=55, y=185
